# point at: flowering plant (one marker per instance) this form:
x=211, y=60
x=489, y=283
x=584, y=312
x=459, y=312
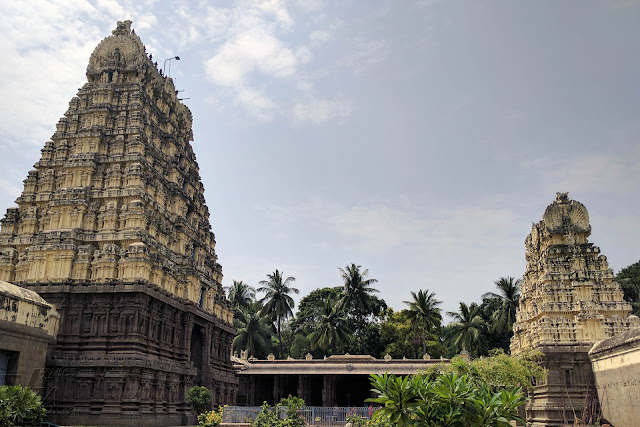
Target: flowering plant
x=212, y=418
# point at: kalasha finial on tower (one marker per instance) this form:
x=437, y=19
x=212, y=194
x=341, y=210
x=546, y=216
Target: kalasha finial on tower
x=123, y=28
x=562, y=197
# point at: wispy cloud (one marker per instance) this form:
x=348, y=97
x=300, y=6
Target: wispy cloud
x=253, y=50
x=253, y=46
x=385, y=224
x=47, y=63
x=365, y=53
x=319, y=37
x=264, y=71
x=319, y=111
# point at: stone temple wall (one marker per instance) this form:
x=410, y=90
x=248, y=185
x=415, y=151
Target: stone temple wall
x=569, y=301
x=112, y=228
x=616, y=365
x=28, y=324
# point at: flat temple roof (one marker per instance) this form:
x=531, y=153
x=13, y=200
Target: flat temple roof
x=335, y=365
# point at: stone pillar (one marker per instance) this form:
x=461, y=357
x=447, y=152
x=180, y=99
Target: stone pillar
x=328, y=390
x=206, y=355
x=306, y=393
x=251, y=398
x=301, y=387
x=276, y=389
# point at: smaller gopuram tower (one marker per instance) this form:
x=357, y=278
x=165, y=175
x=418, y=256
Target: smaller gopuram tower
x=569, y=301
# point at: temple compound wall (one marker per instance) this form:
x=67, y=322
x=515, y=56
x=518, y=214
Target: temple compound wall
x=28, y=324
x=616, y=365
x=569, y=301
x=112, y=229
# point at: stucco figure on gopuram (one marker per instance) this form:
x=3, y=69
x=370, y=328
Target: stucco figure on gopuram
x=112, y=228
x=569, y=301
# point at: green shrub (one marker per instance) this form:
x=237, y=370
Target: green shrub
x=446, y=400
x=498, y=371
x=267, y=417
x=270, y=417
x=20, y=406
x=356, y=421
x=199, y=397
x=211, y=419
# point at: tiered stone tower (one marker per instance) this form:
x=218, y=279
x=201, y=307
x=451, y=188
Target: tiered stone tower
x=112, y=228
x=569, y=301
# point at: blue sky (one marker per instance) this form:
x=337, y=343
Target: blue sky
x=419, y=139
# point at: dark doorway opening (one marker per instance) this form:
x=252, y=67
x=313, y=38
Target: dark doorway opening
x=315, y=398
x=352, y=390
x=197, y=341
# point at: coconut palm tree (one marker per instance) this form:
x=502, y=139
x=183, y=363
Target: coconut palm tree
x=253, y=330
x=357, y=298
x=240, y=294
x=509, y=297
x=424, y=315
x=277, y=301
x=468, y=330
x=331, y=331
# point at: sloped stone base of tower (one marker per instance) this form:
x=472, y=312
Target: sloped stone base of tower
x=568, y=392
x=127, y=353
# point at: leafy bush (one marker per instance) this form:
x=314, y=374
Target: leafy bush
x=356, y=421
x=448, y=400
x=292, y=405
x=267, y=417
x=211, y=419
x=498, y=371
x=270, y=417
x=20, y=406
x=199, y=397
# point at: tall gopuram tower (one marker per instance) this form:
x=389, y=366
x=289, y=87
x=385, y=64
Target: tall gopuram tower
x=112, y=228
x=569, y=301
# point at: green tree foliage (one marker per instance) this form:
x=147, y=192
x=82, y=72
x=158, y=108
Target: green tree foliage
x=300, y=346
x=495, y=336
x=498, y=371
x=199, y=398
x=508, y=296
x=371, y=338
x=424, y=316
x=310, y=309
x=398, y=335
x=449, y=399
x=629, y=280
x=277, y=301
x=331, y=332
x=499, y=312
x=20, y=406
x=358, y=301
x=240, y=295
x=253, y=331
x=468, y=330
